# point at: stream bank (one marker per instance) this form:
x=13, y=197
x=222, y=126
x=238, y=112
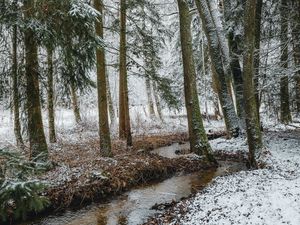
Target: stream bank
x=89, y=178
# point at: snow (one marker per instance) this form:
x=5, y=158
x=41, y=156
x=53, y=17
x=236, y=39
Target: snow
x=266, y=196
x=69, y=132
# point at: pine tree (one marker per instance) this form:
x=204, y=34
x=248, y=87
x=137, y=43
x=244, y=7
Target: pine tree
x=37, y=140
x=15, y=78
x=105, y=143
x=124, y=117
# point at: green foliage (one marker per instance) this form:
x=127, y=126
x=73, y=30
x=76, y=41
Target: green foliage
x=18, y=198
x=19, y=193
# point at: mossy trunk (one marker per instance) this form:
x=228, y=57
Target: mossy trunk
x=50, y=97
x=218, y=67
x=104, y=132
x=15, y=83
x=252, y=123
x=124, y=117
x=198, y=138
x=37, y=140
x=285, y=113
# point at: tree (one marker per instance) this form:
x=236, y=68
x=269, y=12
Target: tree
x=285, y=113
x=50, y=96
x=124, y=117
x=259, y=4
x=15, y=83
x=296, y=49
x=105, y=142
x=216, y=53
x=197, y=136
x=233, y=11
x=252, y=124
x=37, y=140
x=75, y=103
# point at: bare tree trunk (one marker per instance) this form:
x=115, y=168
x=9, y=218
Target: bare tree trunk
x=37, y=140
x=50, y=98
x=216, y=52
x=16, y=106
x=198, y=138
x=105, y=142
x=75, y=104
x=252, y=123
x=285, y=113
x=124, y=117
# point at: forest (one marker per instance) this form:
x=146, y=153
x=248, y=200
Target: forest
x=126, y=112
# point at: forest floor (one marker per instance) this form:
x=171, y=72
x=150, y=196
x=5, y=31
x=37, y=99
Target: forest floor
x=267, y=196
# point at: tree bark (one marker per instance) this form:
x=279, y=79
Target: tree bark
x=37, y=140
x=112, y=112
x=216, y=52
x=198, y=138
x=50, y=97
x=124, y=117
x=235, y=66
x=16, y=106
x=257, y=54
x=252, y=123
x=296, y=50
x=285, y=113
x=104, y=132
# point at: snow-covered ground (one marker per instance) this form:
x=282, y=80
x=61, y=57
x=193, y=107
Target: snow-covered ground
x=68, y=131
x=263, y=197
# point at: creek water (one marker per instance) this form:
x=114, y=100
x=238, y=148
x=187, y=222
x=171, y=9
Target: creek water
x=134, y=207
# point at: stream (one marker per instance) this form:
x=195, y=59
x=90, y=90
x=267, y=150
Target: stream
x=134, y=207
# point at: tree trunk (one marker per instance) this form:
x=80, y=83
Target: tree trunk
x=252, y=123
x=296, y=51
x=75, y=104
x=105, y=142
x=37, y=140
x=234, y=53
x=50, y=97
x=257, y=54
x=198, y=138
x=124, y=117
x=112, y=113
x=16, y=106
x=285, y=113
x=216, y=52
